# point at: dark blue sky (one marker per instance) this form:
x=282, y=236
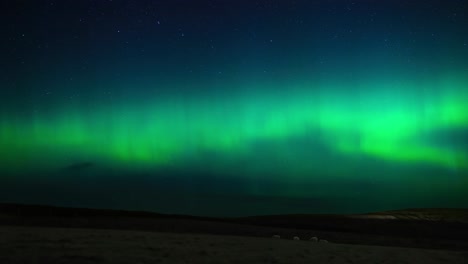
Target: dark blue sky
x=235, y=107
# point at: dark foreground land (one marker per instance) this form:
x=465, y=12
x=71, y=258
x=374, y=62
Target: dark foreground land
x=44, y=234
x=67, y=245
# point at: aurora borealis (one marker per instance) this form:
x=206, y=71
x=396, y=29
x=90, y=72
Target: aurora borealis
x=223, y=108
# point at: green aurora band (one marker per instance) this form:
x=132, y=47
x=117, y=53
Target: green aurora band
x=393, y=121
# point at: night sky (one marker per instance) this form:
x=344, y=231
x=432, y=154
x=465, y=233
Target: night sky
x=231, y=108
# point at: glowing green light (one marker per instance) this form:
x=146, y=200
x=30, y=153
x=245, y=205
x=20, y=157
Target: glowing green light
x=385, y=122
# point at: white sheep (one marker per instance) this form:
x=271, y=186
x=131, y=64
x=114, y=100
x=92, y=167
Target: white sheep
x=276, y=236
x=323, y=241
x=296, y=238
x=314, y=239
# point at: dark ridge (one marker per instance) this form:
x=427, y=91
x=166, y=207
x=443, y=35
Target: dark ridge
x=31, y=210
x=400, y=226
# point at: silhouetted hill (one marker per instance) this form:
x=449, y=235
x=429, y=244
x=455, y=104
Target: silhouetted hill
x=29, y=210
x=421, y=223
x=427, y=214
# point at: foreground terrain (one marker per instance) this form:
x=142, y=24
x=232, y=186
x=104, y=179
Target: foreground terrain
x=76, y=245
x=442, y=229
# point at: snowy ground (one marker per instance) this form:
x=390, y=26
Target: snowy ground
x=63, y=245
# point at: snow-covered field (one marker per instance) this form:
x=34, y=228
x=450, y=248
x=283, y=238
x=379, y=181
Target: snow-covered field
x=67, y=245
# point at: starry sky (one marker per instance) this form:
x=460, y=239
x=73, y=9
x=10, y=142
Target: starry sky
x=232, y=108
